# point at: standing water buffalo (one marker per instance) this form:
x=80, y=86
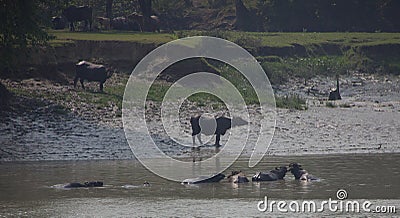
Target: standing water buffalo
x=273, y=175
x=123, y=23
x=146, y=24
x=58, y=22
x=91, y=72
x=82, y=13
x=210, y=126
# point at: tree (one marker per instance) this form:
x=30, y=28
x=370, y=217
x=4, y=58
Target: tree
x=245, y=19
x=19, y=26
x=145, y=7
x=109, y=4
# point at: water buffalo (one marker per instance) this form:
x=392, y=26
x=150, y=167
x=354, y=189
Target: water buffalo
x=273, y=175
x=84, y=185
x=146, y=24
x=204, y=179
x=104, y=22
x=91, y=72
x=58, y=22
x=299, y=173
x=82, y=13
x=210, y=126
x=237, y=177
x=123, y=23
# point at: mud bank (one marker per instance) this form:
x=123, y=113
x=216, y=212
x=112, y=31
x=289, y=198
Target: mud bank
x=54, y=62
x=365, y=121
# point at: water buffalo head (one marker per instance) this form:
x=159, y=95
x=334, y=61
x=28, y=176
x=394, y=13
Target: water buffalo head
x=238, y=121
x=293, y=166
x=296, y=170
x=110, y=71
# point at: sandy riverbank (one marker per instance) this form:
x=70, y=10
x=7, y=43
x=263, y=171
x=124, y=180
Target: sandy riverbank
x=367, y=120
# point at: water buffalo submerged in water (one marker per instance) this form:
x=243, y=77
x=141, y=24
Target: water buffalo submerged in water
x=210, y=126
x=82, y=13
x=84, y=185
x=204, y=179
x=91, y=72
x=273, y=175
x=237, y=177
x=299, y=173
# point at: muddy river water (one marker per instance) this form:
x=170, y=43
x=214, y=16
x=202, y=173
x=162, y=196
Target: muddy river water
x=35, y=188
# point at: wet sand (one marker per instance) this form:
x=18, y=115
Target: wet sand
x=367, y=120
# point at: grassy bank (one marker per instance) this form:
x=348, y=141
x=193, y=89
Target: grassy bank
x=63, y=36
x=284, y=54
x=302, y=55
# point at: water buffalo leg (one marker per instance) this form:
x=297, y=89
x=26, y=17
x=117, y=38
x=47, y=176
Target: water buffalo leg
x=81, y=80
x=71, y=26
x=75, y=81
x=101, y=87
x=217, y=139
x=199, y=138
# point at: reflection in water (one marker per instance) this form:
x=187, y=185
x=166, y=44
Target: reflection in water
x=28, y=187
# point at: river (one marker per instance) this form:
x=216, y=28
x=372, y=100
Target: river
x=35, y=188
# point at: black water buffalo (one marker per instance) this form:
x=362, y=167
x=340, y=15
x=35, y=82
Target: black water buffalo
x=58, y=22
x=82, y=13
x=91, y=72
x=146, y=24
x=210, y=126
x=237, y=177
x=204, y=179
x=299, y=173
x=104, y=23
x=273, y=175
x=84, y=185
x=123, y=23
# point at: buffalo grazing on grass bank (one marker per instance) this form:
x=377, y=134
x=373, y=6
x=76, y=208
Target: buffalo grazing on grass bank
x=91, y=72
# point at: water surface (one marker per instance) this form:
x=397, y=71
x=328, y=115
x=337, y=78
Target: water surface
x=34, y=188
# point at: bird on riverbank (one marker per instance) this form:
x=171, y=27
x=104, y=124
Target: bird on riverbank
x=335, y=94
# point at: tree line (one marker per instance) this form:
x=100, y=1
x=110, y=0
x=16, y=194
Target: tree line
x=329, y=15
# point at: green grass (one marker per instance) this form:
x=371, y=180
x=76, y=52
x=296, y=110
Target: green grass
x=280, y=70
x=246, y=39
x=330, y=104
x=279, y=67
x=305, y=39
x=64, y=36
x=291, y=102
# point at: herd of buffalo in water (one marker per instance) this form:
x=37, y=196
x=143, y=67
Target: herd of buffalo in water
x=235, y=177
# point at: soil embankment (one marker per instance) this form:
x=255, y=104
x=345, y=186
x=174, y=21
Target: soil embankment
x=52, y=62
x=49, y=119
